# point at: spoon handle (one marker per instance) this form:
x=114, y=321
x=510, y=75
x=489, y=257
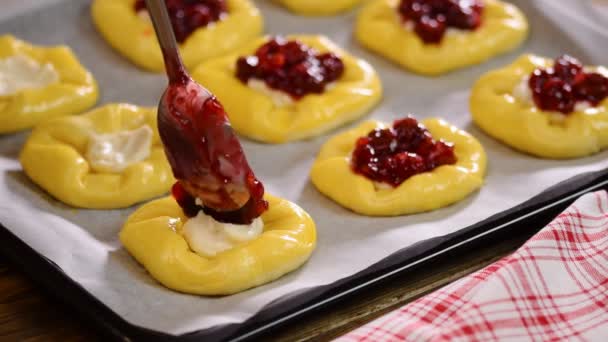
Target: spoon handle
x=166, y=38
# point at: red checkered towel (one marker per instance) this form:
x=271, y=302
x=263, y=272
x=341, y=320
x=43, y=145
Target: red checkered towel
x=554, y=288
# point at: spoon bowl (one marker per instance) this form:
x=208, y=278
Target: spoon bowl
x=204, y=152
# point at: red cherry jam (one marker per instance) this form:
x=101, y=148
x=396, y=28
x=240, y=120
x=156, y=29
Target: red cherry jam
x=206, y=157
x=291, y=67
x=189, y=15
x=244, y=215
x=560, y=88
x=392, y=155
x=431, y=18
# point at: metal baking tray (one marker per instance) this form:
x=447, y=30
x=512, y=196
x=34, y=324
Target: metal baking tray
x=521, y=192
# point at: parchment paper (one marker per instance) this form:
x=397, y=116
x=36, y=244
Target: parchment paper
x=84, y=243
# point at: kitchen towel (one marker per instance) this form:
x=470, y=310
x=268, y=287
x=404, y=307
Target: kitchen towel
x=553, y=288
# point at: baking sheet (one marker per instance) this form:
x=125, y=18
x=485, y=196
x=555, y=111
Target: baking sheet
x=84, y=243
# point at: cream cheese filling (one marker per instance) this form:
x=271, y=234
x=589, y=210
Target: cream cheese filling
x=279, y=98
x=20, y=72
x=114, y=152
x=522, y=93
x=208, y=237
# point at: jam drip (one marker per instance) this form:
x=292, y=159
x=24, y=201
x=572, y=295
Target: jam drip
x=431, y=18
x=392, y=155
x=207, y=157
x=291, y=67
x=189, y=15
x=559, y=88
x=244, y=215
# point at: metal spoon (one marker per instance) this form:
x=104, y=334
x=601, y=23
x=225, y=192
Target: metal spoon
x=204, y=153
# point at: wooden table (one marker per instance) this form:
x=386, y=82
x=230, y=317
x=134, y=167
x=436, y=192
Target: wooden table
x=29, y=312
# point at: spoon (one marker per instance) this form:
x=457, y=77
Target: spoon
x=205, y=154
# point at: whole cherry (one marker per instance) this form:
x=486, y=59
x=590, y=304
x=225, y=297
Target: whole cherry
x=392, y=155
x=290, y=66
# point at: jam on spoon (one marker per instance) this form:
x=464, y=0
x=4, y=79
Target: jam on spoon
x=560, y=88
x=189, y=15
x=206, y=156
x=290, y=66
x=392, y=155
x=432, y=18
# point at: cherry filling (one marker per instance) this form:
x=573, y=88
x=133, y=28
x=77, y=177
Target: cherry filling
x=291, y=67
x=431, y=18
x=560, y=88
x=392, y=155
x=188, y=15
x=207, y=158
x=244, y=215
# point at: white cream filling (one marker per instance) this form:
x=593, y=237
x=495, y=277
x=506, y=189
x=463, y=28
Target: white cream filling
x=600, y=70
x=523, y=94
x=279, y=98
x=20, y=72
x=114, y=152
x=382, y=186
x=208, y=237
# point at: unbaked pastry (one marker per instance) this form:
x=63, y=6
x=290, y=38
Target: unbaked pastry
x=380, y=28
x=110, y=157
x=133, y=36
x=333, y=175
x=38, y=83
x=275, y=118
x=501, y=104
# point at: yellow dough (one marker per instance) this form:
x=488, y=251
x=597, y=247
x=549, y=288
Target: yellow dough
x=134, y=37
x=380, y=28
x=332, y=175
x=53, y=157
x=318, y=7
x=255, y=114
x=74, y=92
x=152, y=235
x=527, y=128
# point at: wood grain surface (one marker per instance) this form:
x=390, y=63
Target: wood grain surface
x=30, y=313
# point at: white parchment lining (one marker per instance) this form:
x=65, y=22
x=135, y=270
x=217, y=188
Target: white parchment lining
x=84, y=242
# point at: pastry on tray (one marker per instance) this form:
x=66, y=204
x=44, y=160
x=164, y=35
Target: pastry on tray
x=203, y=29
x=280, y=89
x=436, y=36
x=220, y=233
x=318, y=7
x=548, y=108
x=410, y=167
x=38, y=83
x=201, y=255
x=110, y=157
